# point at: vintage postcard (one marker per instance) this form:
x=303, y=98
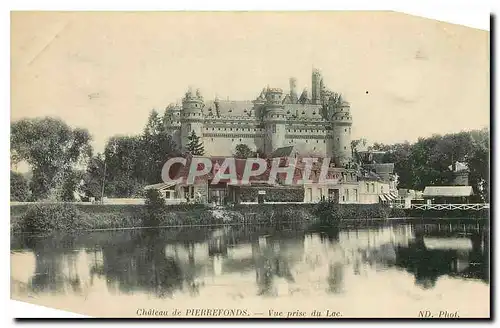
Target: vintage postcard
x=289, y=165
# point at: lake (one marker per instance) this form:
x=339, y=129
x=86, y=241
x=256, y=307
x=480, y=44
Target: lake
x=390, y=269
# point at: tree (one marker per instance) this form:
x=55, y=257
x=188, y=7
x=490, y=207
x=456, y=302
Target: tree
x=19, y=190
x=51, y=148
x=93, y=177
x=355, y=145
x=243, y=151
x=157, y=145
x=124, y=166
x=195, y=146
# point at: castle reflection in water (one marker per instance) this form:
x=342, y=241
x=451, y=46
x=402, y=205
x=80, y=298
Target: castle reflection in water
x=242, y=261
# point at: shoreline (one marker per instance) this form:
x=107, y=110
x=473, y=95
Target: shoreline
x=42, y=217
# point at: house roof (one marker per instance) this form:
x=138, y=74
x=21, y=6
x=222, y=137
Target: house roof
x=230, y=107
x=448, y=191
x=160, y=186
x=183, y=172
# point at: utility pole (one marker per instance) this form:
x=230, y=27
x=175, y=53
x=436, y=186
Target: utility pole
x=103, y=180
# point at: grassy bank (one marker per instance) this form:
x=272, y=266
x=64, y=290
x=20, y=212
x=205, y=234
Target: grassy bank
x=45, y=218
x=331, y=213
x=464, y=214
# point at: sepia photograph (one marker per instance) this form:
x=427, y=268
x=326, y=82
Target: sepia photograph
x=250, y=164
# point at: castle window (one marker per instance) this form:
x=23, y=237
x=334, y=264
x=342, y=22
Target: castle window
x=338, y=139
x=232, y=139
x=317, y=141
x=240, y=139
x=189, y=128
x=324, y=141
x=345, y=147
x=345, y=130
x=274, y=128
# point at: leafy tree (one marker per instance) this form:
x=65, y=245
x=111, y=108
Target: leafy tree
x=243, y=151
x=427, y=162
x=19, y=189
x=93, y=177
x=195, y=146
x=51, y=148
x=124, y=169
x=157, y=146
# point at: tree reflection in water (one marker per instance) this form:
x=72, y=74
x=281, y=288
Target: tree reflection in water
x=165, y=262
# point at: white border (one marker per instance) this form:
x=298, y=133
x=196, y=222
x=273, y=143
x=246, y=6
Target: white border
x=469, y=13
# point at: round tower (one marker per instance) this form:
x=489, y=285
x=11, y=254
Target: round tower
x=191, y=116
x=172, y=121
x=275, y=120
x=341, y=133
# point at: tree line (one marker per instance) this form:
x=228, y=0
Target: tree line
x=63, y=162
x=427, y=162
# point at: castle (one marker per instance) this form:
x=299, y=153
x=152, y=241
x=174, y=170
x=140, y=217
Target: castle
x=318, y=124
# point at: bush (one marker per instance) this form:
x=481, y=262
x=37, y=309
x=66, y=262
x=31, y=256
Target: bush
x=19, y=189
x=330, y=212
x=42, y=218
x=155, y=208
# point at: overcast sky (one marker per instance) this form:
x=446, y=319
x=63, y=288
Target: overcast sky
x=405, y=76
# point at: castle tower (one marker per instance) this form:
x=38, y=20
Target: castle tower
x=341, y=134
x=275, y=120
x=192, y=118
x=316, y=87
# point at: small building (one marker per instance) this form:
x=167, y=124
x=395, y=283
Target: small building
x=460, y=174
x=447, y=194
x=168, y=191
x=408, y=196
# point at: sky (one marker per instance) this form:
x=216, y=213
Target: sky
x=405, y=76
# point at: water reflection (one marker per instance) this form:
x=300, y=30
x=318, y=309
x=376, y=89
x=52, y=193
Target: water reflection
x=281, y=261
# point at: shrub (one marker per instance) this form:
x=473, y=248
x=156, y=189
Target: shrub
x=155, y=208
x=330, y=212
x=19, y=189
x=41, y=218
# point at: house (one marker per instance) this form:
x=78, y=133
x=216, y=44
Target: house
x=447, y=194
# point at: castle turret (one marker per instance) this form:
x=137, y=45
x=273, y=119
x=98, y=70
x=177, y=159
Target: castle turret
x=275, y=120
x=341, y=133
x=191, y=116
x=316, y=87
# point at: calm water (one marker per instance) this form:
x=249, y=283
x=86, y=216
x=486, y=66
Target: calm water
x=409, y=262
